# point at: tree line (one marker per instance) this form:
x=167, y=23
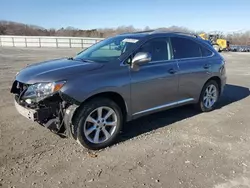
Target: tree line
x=14, y=28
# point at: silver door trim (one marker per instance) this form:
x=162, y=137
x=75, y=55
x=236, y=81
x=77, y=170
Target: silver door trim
x=164, y=106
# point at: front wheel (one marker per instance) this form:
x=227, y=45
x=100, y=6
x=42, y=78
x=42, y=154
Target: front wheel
x=98, y=123
x=209, y=96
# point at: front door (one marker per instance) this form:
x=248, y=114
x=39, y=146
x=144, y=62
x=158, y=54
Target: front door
x=155, y=85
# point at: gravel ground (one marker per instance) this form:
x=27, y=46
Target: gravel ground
x=175, y=148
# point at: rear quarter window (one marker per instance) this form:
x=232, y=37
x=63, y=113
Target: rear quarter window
x=205, y=52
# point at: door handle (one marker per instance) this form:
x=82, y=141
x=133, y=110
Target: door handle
x=172, y=71
x=207, y=66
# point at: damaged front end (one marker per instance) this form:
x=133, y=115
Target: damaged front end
x=45, y=104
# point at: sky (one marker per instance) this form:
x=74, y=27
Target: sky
x=206, y=15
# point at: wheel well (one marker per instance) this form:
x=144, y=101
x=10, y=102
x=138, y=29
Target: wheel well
x=218, y=81
x=117, y=98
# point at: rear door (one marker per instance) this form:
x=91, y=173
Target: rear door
x=155, y=85
x=194, y=66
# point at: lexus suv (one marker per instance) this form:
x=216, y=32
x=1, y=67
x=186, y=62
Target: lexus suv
x=89, y=97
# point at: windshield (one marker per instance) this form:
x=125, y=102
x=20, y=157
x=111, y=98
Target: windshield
x=108, y=50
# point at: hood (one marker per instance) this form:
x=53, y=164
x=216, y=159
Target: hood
x=54, y=70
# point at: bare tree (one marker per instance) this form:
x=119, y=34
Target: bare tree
x=13, y=28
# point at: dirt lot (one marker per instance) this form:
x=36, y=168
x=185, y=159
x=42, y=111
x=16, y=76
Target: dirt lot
x=176, y=148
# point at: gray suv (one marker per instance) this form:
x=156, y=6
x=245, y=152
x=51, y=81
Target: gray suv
x=89, y=97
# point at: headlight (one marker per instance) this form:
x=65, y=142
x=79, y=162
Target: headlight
x=39, y=91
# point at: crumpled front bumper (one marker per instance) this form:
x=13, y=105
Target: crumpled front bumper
x=40, y=115
x=28, y=113
x=54, y=112
x=43, y=117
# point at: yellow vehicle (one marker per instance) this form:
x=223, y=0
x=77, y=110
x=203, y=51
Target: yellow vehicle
x=218, y=43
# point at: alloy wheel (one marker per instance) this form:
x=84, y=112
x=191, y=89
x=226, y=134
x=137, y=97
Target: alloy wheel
x=210, y=96
x=100, y=125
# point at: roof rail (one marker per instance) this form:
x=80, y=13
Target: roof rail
x=145, y=31
x=162, y=31
x=184, y=33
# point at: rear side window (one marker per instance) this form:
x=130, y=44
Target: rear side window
x=185, y=48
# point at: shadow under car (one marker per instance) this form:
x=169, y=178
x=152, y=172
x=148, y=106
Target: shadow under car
x=231, y=94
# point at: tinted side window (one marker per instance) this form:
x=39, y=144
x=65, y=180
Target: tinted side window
x=185, y=48
x=205, y=52
x=158, y=48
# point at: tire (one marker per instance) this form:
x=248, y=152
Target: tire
x=202, y=105
x=87, y=123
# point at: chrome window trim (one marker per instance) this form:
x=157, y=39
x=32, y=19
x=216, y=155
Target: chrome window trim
x=177, y=60
x=190, y=58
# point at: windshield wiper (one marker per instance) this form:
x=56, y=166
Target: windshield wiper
x=87, y=60
x=70, y=58
x=84, y=60
x=79, y=59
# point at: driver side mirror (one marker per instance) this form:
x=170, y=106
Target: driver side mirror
x=141, y=58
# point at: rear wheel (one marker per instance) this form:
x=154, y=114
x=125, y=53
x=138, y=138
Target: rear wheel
x=209, y=96
x=98, y=123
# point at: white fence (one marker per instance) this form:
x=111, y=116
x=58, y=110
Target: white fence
x=47, y=41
